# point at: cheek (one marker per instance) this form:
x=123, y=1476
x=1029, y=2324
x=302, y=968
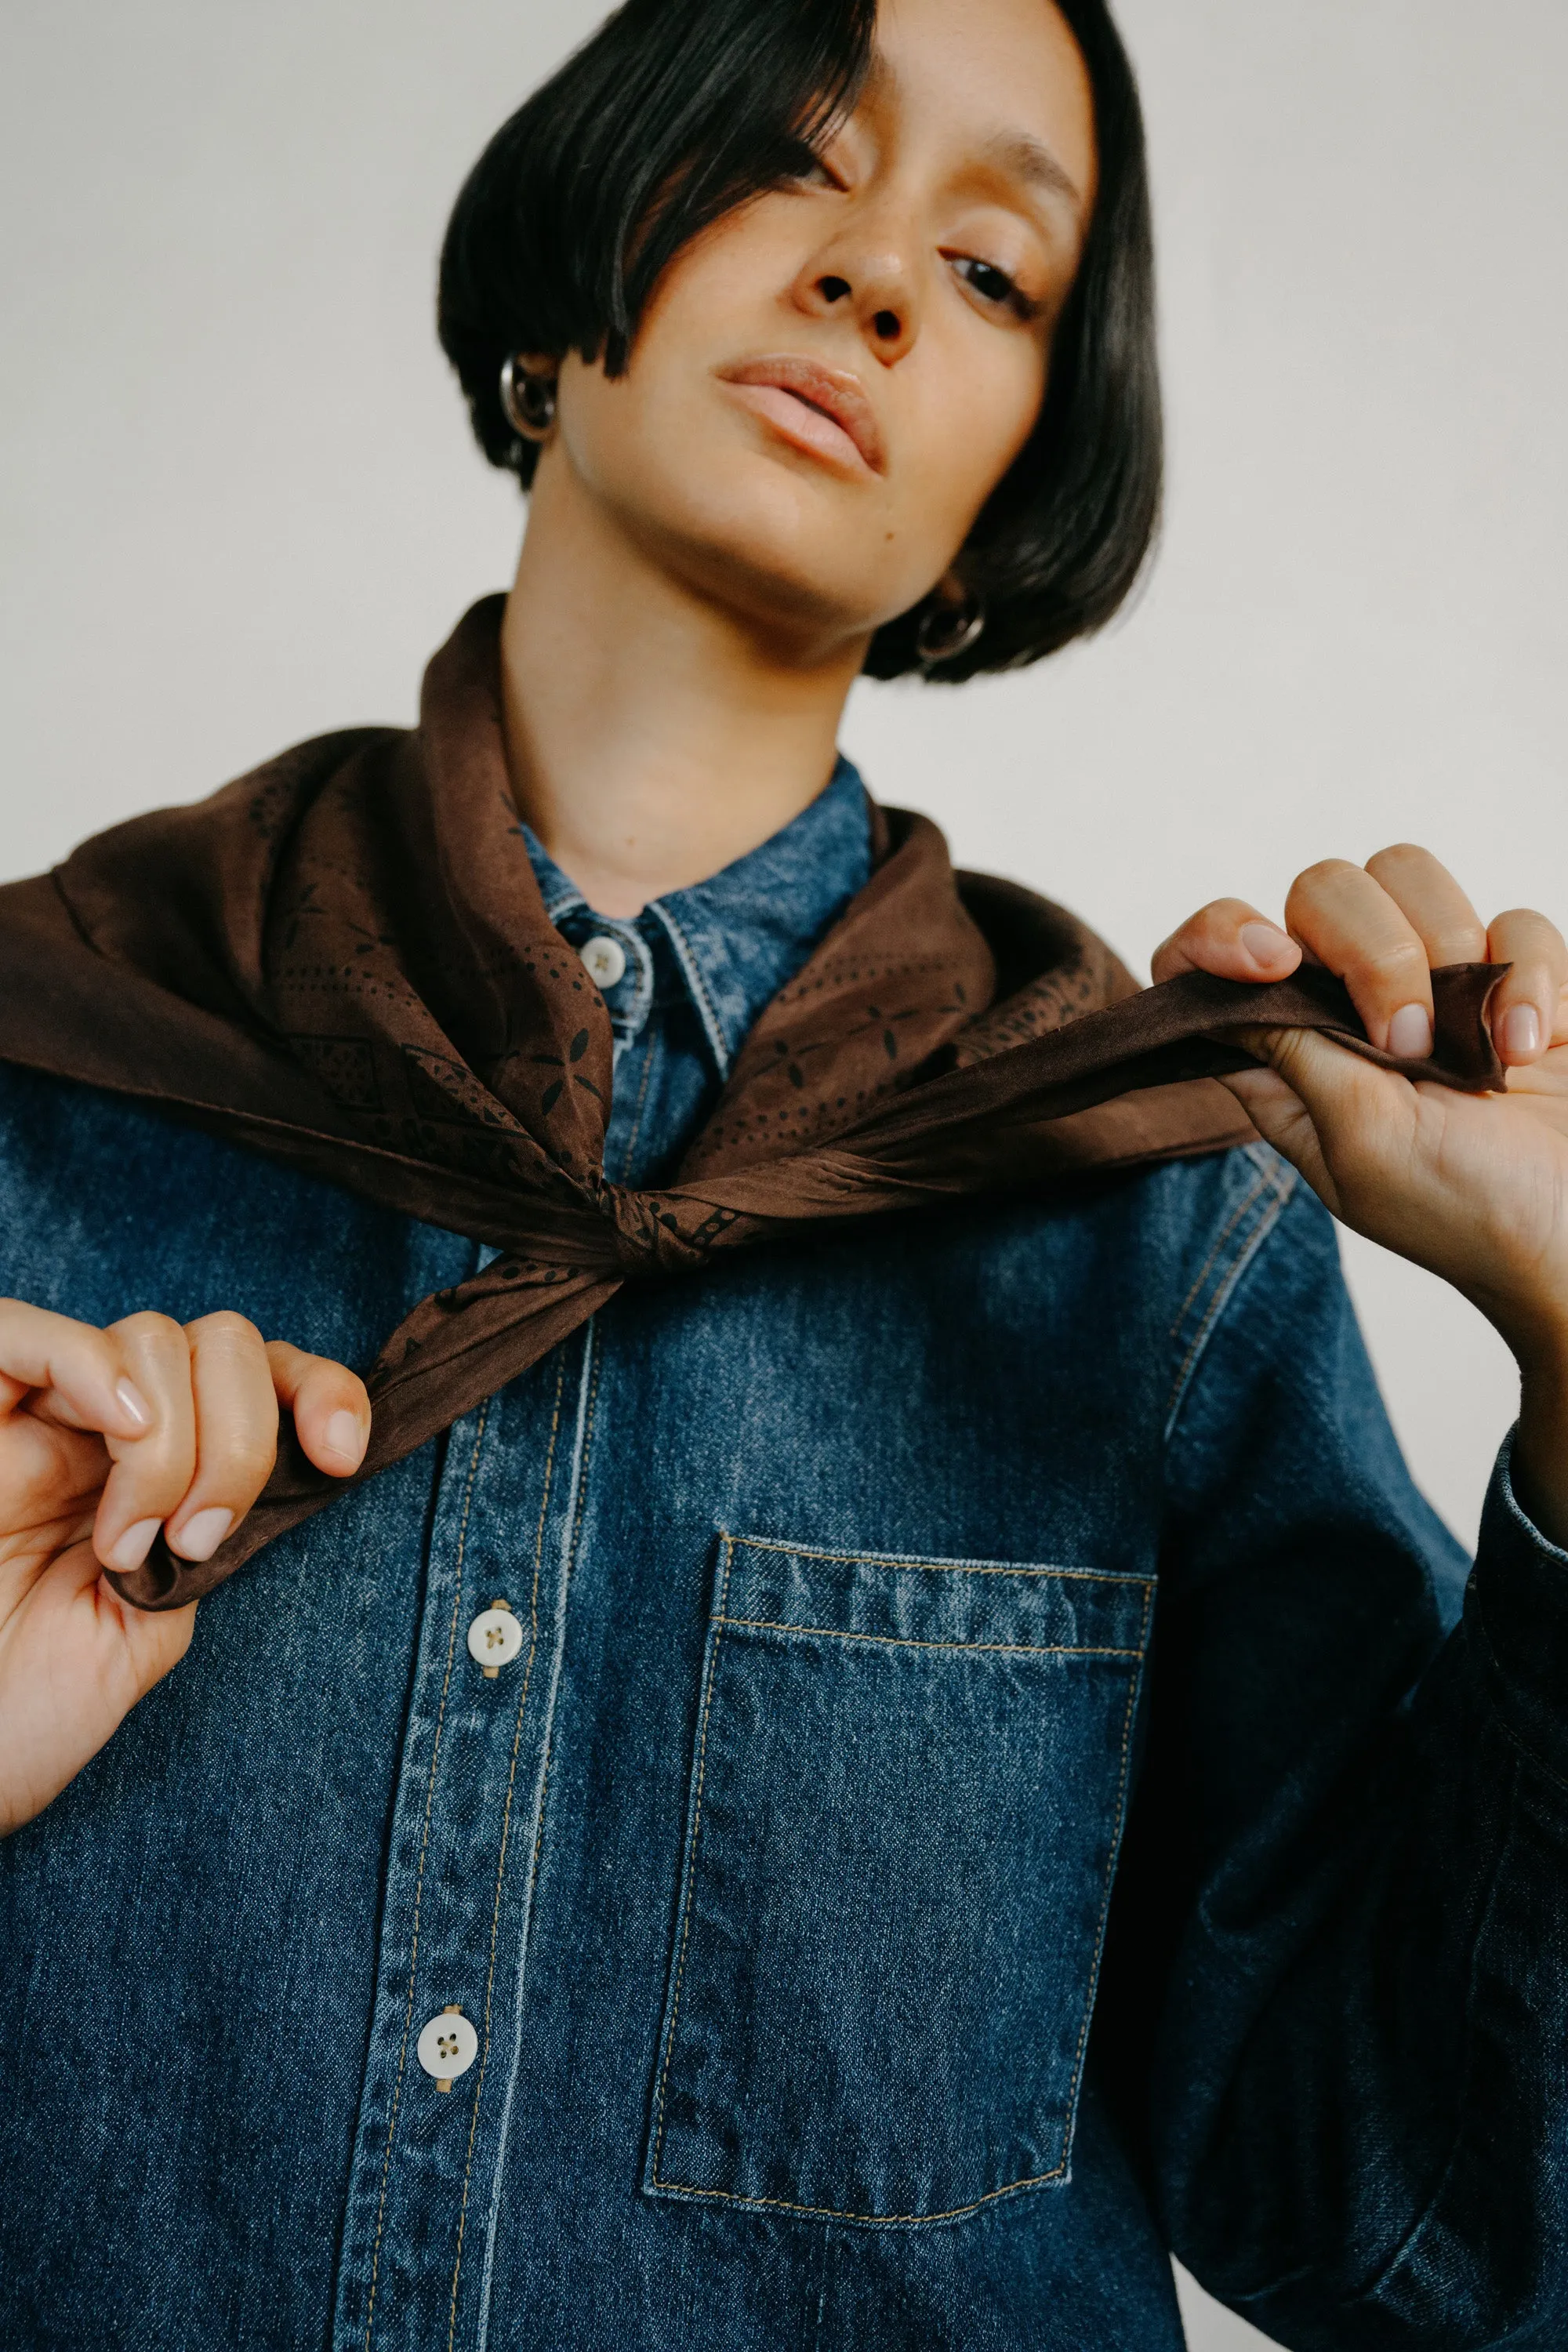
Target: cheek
x=979, y=413
x=604, y=426
x=646, y=427
x=747, y=256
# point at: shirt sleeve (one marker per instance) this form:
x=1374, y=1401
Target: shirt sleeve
x=1341, y=1948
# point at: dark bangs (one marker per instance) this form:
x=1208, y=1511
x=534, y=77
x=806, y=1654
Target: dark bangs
x=677, y=111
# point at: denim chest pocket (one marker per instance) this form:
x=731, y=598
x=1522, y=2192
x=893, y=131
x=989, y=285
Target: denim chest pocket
x=907, y=1794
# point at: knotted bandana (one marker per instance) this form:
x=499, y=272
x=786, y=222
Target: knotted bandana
x=343, y=960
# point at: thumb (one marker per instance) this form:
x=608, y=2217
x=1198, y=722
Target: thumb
x=1330, y=1113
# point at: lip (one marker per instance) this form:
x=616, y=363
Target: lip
x=820, y=409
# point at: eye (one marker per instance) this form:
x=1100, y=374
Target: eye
x=994, y=287
x=804, y=167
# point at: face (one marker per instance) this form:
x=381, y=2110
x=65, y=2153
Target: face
x=830, y=380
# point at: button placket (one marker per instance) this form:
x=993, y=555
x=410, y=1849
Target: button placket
x=619, y=962
x=465, y=1824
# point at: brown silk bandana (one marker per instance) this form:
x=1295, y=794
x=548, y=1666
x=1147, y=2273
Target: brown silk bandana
x=343, y=960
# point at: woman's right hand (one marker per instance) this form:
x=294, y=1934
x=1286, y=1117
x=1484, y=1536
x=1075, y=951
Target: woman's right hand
x=105, y=1437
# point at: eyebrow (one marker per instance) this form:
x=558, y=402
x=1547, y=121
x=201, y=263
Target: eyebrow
x=1026, y=158
x=1018, y=153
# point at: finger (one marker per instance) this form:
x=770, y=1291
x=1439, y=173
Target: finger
x=156, y=1640
x=73, y=1373
x=1309, y=1091
x=1432, y=903
x=78, y=1659
x=330, y=1405
x=1527, y=1003
x=236, y=1432
x=1231, y=940
x=151, y=1471
x=1350, y=924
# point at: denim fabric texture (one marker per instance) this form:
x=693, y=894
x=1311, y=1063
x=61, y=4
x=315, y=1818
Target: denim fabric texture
x=1001, y=1776
x=700, y=964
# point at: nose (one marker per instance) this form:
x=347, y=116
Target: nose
x=869, y=280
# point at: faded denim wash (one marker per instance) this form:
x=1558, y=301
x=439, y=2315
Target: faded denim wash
x=997, y=1785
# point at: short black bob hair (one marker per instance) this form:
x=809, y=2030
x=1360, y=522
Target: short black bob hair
x=677, y=111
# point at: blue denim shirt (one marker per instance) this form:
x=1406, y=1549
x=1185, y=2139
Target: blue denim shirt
x=860, y=1804
x=685, y=979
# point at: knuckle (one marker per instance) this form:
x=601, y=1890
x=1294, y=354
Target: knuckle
x=1325, y=874
x=1321, y=886
x=148, y=1328
x=251, y=1455
x=225, y=1328
x=1399, y=855
x=1540, y=931
x=159, y=1482
x=240, y=1457
x=1400, y=960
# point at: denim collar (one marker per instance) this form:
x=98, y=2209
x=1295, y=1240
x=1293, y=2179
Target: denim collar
x=734, y=939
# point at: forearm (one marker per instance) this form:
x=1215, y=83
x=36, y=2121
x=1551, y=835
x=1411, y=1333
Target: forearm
x=1540, y=1447
x=1368, y=2132
x=1360, y=2104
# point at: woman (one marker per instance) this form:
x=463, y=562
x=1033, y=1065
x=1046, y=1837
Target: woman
x=637, y=1869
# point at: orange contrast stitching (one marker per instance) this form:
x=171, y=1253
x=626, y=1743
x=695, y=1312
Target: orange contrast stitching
x=1111, y=1861
x=505, y=1828
x=544, y=1774
x=419, y=1881
x=691, y=1858
x=907, y=1641
x=1012, y=2188
x=1258, y=1181
x=1217, y=1303
x=938, y=1567
x=884, y=2221
x=571, y=1563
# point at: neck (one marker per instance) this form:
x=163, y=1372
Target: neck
x=653, y=737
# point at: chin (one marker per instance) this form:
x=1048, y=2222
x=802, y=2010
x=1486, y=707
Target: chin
x=772, y=545
x=774, y=581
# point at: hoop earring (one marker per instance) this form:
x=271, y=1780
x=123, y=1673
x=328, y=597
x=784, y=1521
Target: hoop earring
x=947, y=630
x=527, y=399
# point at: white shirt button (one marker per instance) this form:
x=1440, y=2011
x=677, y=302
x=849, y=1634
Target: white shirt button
x=603, y=961
x=448, y=2047
x=495, y=1637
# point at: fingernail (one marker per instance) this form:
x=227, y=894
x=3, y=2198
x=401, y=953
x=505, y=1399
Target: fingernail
x=134, y=1403
x=344, y=1436
x=1410, y=1033
x=135, y=1545
x=1265, y=942
x=202, y=1534
x=1521, y=1036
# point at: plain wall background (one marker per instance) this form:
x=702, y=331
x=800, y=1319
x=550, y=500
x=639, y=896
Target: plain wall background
x=239, y=503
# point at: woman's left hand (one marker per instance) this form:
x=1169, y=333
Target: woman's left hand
x=1474, y=1187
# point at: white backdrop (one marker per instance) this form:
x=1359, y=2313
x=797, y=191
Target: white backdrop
x=239, y=502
